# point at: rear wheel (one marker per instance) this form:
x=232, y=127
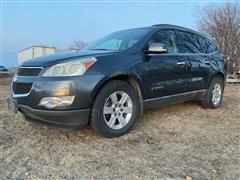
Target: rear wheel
x=115, y=109
x=214, y=95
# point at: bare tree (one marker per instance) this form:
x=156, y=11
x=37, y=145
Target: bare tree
x=78, y=45
x=223, y=24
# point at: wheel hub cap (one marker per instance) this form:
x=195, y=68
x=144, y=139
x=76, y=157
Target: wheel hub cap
x=216, y=94
x=117, y=110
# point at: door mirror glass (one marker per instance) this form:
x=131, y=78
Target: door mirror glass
x=157, y=48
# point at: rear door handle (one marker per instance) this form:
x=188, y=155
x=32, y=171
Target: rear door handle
x=181, y=63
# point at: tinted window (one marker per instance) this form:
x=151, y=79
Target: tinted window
x=202, y=43
x=211, y=47
x=188, y=43
x=167, y=38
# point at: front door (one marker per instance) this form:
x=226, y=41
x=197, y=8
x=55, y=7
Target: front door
x=166, y=72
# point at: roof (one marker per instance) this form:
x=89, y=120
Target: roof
x=165, y=26
x=170, y=25
x=177, y=27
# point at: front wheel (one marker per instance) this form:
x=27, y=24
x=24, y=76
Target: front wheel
x=115, y=109
x=214, y=95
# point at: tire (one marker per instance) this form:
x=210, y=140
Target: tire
x=208, y=101
x=105, y=118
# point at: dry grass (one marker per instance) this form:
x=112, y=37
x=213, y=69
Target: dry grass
x=169, y=142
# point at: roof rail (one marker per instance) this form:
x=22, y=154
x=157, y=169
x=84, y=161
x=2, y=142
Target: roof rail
x=166, y=25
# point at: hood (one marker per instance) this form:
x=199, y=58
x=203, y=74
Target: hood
x=58, y=58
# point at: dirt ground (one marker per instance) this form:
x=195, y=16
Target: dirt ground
x=168, y=142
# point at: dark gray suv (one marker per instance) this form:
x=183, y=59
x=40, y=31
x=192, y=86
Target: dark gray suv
x=108, y=84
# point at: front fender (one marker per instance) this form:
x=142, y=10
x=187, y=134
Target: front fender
x=116, y=75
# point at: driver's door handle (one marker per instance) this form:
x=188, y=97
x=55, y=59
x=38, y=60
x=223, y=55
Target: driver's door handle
x=181, y=63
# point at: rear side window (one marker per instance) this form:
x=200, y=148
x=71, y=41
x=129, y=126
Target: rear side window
x=188, y=43
x=167, y=38
x=202, y=43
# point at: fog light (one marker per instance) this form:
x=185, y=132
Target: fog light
x=52, y=102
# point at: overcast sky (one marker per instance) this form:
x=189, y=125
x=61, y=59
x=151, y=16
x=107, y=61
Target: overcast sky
x=59, y=23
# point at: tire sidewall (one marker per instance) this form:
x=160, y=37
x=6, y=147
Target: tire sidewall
x=102, y=97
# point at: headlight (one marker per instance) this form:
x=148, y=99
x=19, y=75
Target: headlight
x=71, y=68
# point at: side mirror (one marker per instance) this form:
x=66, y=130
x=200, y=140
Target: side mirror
x=156, y=48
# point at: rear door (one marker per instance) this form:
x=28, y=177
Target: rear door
x=166, y=72
x=192, y=47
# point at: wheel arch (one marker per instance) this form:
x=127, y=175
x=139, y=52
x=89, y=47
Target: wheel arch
x=217, y=74
x=131, y=79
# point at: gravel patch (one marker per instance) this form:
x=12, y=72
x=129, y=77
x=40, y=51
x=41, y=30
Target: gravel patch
x=168, y=142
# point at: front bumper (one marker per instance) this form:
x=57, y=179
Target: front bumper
x=68, y=117
x=82, y=87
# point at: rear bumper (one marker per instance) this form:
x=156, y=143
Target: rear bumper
x=69, y=119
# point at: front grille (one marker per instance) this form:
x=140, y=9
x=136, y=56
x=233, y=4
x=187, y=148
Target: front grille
x=29, y=71
x=21, y=88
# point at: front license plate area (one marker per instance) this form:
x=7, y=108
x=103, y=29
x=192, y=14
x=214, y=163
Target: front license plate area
x=12, y=106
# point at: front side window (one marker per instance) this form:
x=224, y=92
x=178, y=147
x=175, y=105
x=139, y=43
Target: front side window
x=119, y=40
x=166, y=38
x=187, y=43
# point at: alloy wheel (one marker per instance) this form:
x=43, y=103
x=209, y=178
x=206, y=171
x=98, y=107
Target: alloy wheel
x=117, y=110
x=216, y=94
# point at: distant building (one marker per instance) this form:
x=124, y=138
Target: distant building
x=66, y=50
x=37, y=51
x=33, y=52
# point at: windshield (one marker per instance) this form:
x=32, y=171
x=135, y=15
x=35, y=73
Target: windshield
x=119, y=40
